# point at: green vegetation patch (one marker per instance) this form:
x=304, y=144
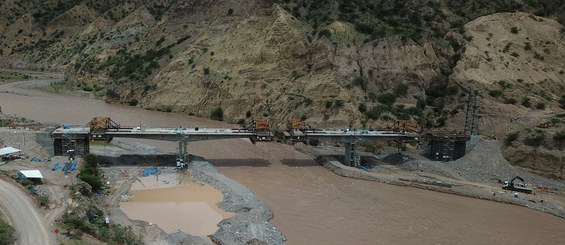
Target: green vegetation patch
x=6, y=76
x=7, y=233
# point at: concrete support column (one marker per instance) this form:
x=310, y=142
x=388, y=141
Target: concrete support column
x=348, y=151
x=352, y=157
x=182, y=157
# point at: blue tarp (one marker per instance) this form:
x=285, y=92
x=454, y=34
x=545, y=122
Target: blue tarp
x=56, y=167
x=74, y=166
x=149, y=171
x=67, y=167
x=37, y=159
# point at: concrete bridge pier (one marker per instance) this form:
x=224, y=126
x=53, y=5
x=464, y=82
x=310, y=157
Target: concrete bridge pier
x=352, y=157
x=182, y=157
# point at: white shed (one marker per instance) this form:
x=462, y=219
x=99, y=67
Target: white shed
x=31, y=174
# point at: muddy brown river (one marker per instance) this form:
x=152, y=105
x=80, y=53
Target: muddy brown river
x=312, y=205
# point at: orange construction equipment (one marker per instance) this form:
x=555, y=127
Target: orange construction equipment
x=261, y=124
x=295, y=123
x=262, y=129
x=406, y=125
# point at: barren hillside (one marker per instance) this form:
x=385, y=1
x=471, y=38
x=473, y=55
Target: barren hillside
x=362, y=63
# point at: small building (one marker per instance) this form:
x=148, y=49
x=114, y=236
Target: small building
x=9, y=153
x=30, y=174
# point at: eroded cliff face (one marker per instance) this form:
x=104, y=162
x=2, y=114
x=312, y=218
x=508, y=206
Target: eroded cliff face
x=549, y=163
x=266, y=64
x=516, y=62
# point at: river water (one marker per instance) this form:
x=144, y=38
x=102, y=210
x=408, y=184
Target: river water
x=312, y=205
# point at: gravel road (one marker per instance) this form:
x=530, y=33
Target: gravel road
x=23, y=215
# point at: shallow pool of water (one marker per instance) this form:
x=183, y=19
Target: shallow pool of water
x=187, y=206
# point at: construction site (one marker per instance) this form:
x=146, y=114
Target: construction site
x=229, y=184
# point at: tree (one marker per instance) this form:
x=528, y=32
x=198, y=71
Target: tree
x=217, y=114
x=89, y=172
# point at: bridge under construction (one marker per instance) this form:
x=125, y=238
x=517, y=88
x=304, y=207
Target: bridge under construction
x=77, y=138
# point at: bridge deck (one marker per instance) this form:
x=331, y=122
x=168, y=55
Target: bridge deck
x=222, y=133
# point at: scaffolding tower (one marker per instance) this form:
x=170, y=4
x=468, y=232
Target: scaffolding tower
x=470, y=115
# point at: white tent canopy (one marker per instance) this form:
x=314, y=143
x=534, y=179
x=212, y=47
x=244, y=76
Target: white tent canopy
x=31, y=174
x=8, y=150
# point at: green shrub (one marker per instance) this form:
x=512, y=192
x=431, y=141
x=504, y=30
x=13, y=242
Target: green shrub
x=507, y=48
x=295, y=75
x=375, y=112
x=534, y=140
x=230, y=11
x=540, y=106
x=339, y=103
x=43, y=200
x=562, y=101
x=359, y=81
x=386, y=98
x=511, y=101
x=308, y=101
x=559, y=136
x=217, y=114
x=7, y=233
x=325, y=33
x=329, y=104
x=495, y=93
x=161, y=40
x=511, y=137
x=515, y=54
x=133, y=102
x=514, y=30
x=206, y=71
x=400, y=89
x=364, y=28
x=362, y=108
x=527, y=46
x=526, y=102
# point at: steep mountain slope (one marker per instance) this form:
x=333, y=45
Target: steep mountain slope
x=361, y=63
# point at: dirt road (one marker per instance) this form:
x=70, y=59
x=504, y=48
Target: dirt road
x=23, y=215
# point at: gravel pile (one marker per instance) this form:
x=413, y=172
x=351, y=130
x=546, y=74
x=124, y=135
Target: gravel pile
x=250, y=224
x=184, y=238
x=484, y=163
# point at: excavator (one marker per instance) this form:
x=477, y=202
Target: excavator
x=511, y=185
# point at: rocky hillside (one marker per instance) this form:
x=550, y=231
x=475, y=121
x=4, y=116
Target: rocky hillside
x=361, y=63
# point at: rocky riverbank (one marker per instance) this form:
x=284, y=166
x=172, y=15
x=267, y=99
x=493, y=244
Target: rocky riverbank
x=250, y=224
